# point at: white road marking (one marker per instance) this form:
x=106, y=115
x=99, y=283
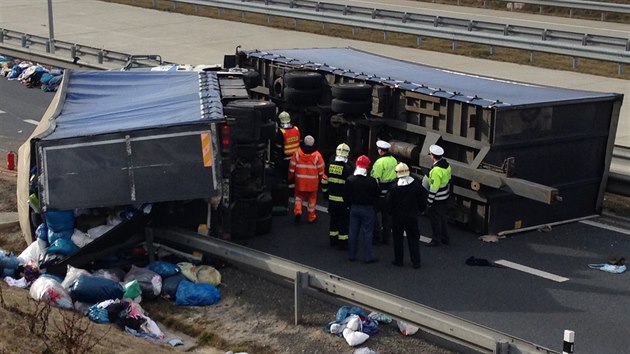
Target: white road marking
x=34, y=122
x=2, y=112
x=532, y=271
x=604, y=226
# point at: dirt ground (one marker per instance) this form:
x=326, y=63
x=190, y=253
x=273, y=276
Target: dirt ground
x=254, y=316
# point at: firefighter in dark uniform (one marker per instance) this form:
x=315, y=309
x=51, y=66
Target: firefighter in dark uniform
x=286, y=143
x=405, y=202
x=338, y=171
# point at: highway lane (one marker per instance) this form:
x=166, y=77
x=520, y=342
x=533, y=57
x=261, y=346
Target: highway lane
x=591, y=302
x=21, y=108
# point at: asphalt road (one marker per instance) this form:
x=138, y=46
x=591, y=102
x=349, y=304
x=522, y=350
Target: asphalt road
x=590, y=302
x=21, y=109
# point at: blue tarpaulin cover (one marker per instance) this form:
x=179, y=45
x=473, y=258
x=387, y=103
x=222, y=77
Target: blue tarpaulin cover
x=100, y=102
x=473, y=89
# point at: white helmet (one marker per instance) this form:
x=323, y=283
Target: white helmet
x=402, y=170
x=285, y=119
x=343, y=150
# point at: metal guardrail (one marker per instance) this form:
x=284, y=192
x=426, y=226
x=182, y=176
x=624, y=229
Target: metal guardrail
x=60, y=53
x=440, y=324
x=603, y=7
x=577, y=45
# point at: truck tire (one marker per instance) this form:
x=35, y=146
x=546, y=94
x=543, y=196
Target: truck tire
x=351, y=91
x=267, y=109
x=250, y=151
x=309, y=97
x=350, y=107
x=247, y=127
x=303, y=79
x=263, y=225
x=251, y=79
x=268, y=130
x=247, y=190
x=264, y=205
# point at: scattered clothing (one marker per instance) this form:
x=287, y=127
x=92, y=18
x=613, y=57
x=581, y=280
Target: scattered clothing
x=472, y=261
x=609, y=268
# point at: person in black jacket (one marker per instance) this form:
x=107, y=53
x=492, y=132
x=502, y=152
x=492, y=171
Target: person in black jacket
x=404, y=202
x=361, y=192
x=334, y=185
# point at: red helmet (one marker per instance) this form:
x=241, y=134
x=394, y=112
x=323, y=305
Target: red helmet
x=363, y=162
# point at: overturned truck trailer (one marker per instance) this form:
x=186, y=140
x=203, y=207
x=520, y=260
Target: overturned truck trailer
x=522, y=155
x=175, y=140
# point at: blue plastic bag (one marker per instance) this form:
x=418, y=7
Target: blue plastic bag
x=56, y=235
x=164, y=269
x=59, y=220
x=42, y=232
x=196, y=294
x=170, y=284
x=92, y=290
x=63, y=246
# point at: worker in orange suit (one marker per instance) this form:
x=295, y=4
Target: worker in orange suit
x=306, y=168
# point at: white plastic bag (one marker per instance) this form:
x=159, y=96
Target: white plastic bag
x=80, y=238
x=354, y=323
x=354, y=338
x=30, y=253
x=72, y=274
x=364, y=350
x=50, y=291
x=406, y=329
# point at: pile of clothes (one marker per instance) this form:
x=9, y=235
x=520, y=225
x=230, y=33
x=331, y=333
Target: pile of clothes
x=113, y=295
x=30, y=74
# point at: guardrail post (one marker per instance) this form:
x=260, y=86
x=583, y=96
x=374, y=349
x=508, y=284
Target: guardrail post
x=100, y=56
x=2, y=33
x=301, y=282
x=73, y=51
x=502, y=347
x=568, y=344
x=24, y=41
